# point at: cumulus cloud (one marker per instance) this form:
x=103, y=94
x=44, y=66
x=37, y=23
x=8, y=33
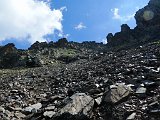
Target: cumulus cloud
x=29, y=20
x=117, y=16
x=80, y=26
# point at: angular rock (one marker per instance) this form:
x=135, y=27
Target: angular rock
x=98, y=100
x=132, y=116
x=141, y=90
x=33, y=108
x=49, y=114
x=79, y=107
x=117, y=93
x=2, y=109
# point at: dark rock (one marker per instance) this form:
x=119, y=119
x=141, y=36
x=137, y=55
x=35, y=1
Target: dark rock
x=125, y=28
x=33, y=62
x=9, y=56
x=147, y=28
x=70, y=92
x=109, y=37
x=62, y=42
x=38, y=46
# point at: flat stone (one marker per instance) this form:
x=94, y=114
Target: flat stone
x=148, y=83
x=33, y=108
x=141, y=90
x=20, y=115
x=49, y=108
x=49, y=114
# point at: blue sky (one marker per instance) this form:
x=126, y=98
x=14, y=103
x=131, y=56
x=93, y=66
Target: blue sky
x=84, y=20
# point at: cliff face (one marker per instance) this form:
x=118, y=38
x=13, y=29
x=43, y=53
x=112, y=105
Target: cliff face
x=149, y=16
x=147, y=29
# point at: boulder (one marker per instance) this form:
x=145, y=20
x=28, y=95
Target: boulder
x=116, y=93
x=32, y=108
x=49, y=114
x=79, y=107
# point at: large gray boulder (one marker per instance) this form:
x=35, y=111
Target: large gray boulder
x=117, y=93
x=79, y=107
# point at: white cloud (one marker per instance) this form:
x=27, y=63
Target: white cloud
x=104, y=41
x=64, y=8
x=31, y=19
x=80, y=26
x=62, y=35
x=117, y=16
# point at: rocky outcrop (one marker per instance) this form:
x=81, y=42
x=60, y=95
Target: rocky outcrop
x=147, y=29
x=124, y=37
x=149, y=15
x=9, y=56
x=62, y=42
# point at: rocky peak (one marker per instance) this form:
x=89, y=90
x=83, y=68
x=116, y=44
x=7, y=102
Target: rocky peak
x=109, y=37
x=9, y=48
x=125, y=28
x=37, y=45
x=62, y=42
x=147, y=29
